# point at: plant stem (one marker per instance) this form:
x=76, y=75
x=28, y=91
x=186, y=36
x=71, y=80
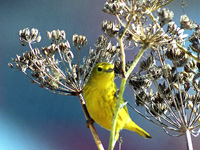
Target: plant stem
x=120, y=96
x=188, y=140
x=122, y=87
x=91, y=126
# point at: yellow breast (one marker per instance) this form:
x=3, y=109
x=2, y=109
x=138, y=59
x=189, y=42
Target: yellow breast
x=100, y=104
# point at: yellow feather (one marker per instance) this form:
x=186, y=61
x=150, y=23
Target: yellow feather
x=100, y=97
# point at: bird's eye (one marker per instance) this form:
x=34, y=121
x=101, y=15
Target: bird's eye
x=99, y=69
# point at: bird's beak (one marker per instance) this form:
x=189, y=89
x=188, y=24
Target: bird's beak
x=109, y=70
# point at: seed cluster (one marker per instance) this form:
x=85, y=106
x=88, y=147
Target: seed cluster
x=29, y=36
x=52, y=67
x=167, y=83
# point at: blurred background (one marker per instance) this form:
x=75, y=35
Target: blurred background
x=32, y=118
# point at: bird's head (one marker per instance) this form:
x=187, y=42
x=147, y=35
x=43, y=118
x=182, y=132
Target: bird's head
x=103, y=72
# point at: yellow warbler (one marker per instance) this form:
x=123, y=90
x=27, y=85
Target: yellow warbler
x=100, y=97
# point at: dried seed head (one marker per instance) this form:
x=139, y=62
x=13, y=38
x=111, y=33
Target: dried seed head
x=186, y=23
x=79, y=41
x=174, y=54
x=114, y=7
x=27, y=36
x=110, y=29
x=172, y=27
x=165, y=16
x=191, y=67
x=140, y=82
x=57, y=36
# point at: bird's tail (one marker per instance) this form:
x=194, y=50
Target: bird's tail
x=134, y=127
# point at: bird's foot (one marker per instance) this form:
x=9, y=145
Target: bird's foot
x=89, y=121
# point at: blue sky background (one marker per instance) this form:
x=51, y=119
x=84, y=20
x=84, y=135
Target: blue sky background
x=32, y=118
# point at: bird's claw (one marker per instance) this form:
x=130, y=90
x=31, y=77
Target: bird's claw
x=89, y=121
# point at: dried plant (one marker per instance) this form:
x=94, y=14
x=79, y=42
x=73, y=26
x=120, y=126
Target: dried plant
x=166, y=85
x=52, y=67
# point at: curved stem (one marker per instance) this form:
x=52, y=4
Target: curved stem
x=91, y=126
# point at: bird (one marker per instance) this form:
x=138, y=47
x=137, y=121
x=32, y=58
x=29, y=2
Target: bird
x=100, y=97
